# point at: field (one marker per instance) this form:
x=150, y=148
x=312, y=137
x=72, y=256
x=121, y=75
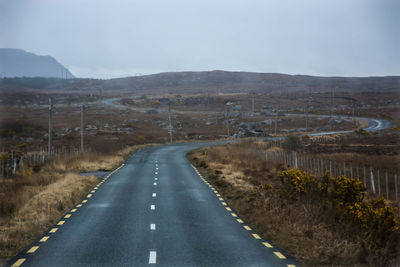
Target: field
x=321, y=220
x=124, y=113
x=35, y=199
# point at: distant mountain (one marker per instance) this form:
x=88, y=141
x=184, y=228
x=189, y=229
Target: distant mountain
x=213, y=81
x=19, y=63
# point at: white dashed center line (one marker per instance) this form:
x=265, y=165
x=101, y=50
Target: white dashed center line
x=156, y=173
x=156, y=179
x=152, y=207
x=153, y=257
x=154, y=195
x=155, y=184
x=153, y=226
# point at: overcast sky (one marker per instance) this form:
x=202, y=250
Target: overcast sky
x=115, y=38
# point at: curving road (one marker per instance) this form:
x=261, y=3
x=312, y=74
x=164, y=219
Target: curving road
x=154, y=210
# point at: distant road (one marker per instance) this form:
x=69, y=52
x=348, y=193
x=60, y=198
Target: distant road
x=374, y=124
x=156, y=210
x=112, y=102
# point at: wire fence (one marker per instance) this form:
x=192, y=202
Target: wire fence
x=382, y=182
x=13, y=161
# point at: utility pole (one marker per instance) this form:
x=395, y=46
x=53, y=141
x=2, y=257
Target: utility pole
x=307, y=118
x=252, y=104
x=82, y=147
x=170, y=123
x=307, y=105
x=50, y=129
x=333, y=101
x=227, y=122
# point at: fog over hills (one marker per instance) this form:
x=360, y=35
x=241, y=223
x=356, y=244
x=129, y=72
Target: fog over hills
x=19, y=63
x=214, y=81
x=250, y=81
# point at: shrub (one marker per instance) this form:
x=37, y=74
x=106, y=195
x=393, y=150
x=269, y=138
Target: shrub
x=292, y=142
x=296, y=183
x=378, y=219
x=347, y=190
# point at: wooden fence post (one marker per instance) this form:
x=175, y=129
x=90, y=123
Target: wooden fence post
x=351, y=170
x=365, y=178
x=372, y=180
x=396, y=187
x=387, y=184
x=379, y=182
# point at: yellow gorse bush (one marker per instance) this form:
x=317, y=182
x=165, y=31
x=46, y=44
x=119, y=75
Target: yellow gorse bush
x=347, y=196
x=374, y=214
x=296, y=183
x=346, y=190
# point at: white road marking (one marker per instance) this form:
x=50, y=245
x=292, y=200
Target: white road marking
x=153, y=207
x=154, y=195
x=153, y=226
x=153, y=257
x=156, y=173
x=156, y=179
x=155, y=184
x=156, y=168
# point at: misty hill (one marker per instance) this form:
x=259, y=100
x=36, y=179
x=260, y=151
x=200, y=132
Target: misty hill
x=19, y=63
x=211, y=81
x=249, y=81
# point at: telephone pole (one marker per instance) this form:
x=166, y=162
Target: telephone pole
x=82, y=147
x=50, y=129
x=333, y=101
x=170, y=123
x=227, y=122
x=252, y=104
x=307, y=105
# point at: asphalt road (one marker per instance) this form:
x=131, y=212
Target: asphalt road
x=157, y=210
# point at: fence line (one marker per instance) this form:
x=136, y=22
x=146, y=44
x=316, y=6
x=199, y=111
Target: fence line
x=388, y=186
x=13, y=161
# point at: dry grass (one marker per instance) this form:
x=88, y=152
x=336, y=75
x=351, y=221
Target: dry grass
x=315, y=235
x=93, y=161
x=30, y=204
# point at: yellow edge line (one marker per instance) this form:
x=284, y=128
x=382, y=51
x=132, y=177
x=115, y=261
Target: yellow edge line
x=256, y=236
x=268, y=245
x=44, y=239
x=279, y=255
x=18, y=262
x=32, y=249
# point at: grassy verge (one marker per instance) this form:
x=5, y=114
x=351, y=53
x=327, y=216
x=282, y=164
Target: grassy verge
x=33, y=201
x=327, y=222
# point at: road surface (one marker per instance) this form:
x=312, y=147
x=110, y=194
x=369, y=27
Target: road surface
x=155, y=210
